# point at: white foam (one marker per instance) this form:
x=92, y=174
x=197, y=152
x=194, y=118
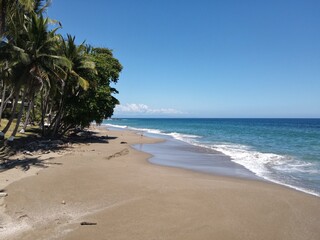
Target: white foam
x=184, y=137
x=115, y=126
x=148, y=130
x=155, y=131
x=175, y=135
x=262, y=164
x=259, y=163
x=254, y=161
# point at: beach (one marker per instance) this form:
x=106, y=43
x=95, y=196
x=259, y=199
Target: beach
x=112, y=189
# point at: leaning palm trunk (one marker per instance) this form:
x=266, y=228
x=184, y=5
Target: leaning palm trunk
x=14, y=107
x=27, y=116
x=2, y=106
x=43, y=112
x=58, y=120
x=4, y=101
x=44, y=108
x=15, y=130
x=3, y=16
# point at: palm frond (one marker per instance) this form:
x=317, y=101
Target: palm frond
x=27, y=4
x=84, y=84
x=60, y=60
x=88, y=65
x=24, y=58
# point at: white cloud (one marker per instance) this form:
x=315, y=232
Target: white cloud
x=134, y=108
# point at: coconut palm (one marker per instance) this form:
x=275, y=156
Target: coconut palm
x=6, y=90
x=37, y=49
x=9, y=8
x=15, y=14
x=75, y=83
x=38, y=65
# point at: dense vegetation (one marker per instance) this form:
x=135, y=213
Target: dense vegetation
x=47, y=79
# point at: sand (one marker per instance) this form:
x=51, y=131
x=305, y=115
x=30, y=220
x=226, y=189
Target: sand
x=114, y=186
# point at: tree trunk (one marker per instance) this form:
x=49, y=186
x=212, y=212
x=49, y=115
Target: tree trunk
x=3, y=17
x=27, y=115
x=5, y=102
x=44, y=108
x=2, y=101
x=57, y=124
x=3, y=9
x=15, y=130
x=13, y=112
x=59, y=115
x=66, y=129
x=42, y=113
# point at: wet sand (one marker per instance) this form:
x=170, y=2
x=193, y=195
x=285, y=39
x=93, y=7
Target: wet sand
x=175, y=153
x=113, y=186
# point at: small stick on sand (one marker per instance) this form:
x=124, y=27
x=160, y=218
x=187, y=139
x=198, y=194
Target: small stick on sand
x=3, y=194
x=88, y=223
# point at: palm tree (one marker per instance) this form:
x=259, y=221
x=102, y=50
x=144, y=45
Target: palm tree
x=75, y=83
x=37, y=49
x=36, y=64
x=3, y=9
x=12, y=24
x=9, y=8
x=6, y=92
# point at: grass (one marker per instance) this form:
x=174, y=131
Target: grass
x=30, y=131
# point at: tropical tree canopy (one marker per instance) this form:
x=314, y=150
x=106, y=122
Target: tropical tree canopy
x=47, y=79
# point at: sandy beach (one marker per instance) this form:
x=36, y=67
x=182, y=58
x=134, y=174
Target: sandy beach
x=113, y=188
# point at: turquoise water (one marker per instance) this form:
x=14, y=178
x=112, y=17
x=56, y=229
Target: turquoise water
x=285, y=151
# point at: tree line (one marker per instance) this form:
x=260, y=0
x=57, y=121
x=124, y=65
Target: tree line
x=46, y=78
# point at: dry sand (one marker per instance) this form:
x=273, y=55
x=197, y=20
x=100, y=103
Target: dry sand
x=114, y=187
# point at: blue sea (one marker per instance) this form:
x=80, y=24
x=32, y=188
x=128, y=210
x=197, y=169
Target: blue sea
x=284, y=151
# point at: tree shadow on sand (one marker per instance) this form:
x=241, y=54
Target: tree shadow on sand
x=89, y=137
x=25, y=164
x=34, y=145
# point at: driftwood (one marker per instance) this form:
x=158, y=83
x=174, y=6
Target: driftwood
x=88, y=223
x=3, y=194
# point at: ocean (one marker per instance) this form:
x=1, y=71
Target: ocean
x=283, y=151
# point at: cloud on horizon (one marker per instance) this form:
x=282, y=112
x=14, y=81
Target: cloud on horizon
x=143, y=109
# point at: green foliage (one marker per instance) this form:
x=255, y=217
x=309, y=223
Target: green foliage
x=97, y=102
x=107, y=66
x=67, y=84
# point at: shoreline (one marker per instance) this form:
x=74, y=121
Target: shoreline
x=223, y=165
x=179, y=154
x=233, y=169
x=115, y=186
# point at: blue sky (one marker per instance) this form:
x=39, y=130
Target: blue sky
x=206, y=58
